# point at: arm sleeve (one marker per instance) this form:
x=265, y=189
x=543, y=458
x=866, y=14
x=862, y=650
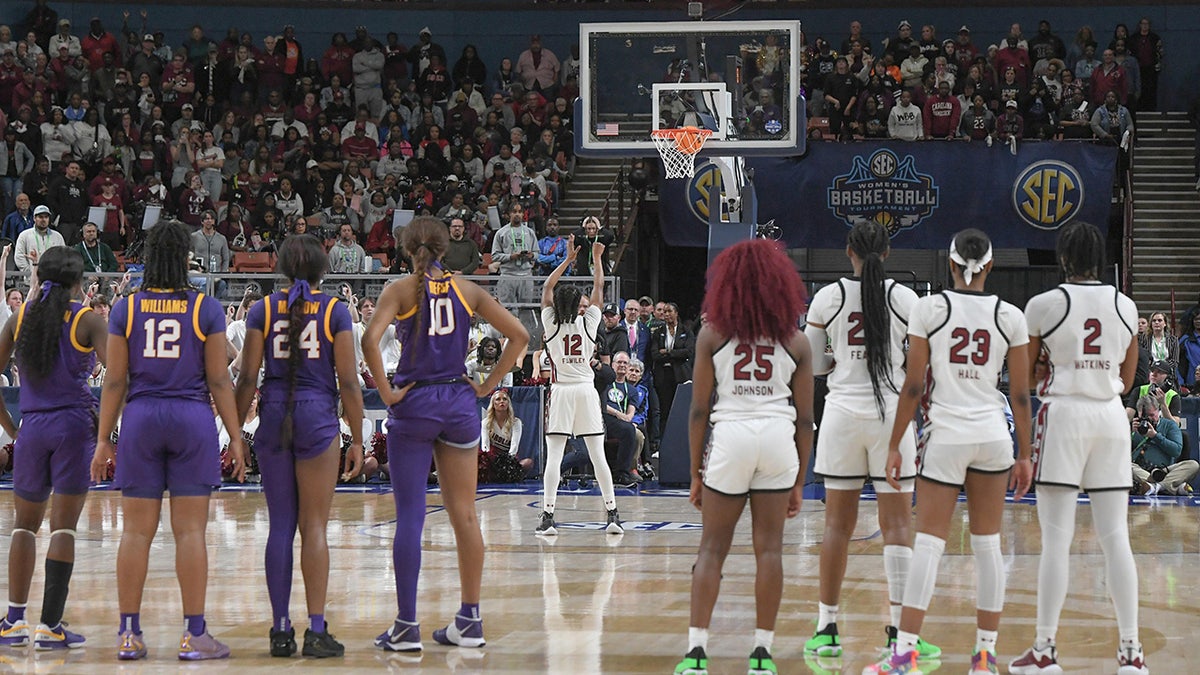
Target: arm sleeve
x=817, y=341
x=485, y=443
x=517, y=430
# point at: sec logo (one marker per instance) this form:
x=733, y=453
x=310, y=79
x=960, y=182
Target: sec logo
x=706, y=180
x=1048, y=194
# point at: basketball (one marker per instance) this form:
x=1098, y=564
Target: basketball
x=690, y=140
x=885, y=219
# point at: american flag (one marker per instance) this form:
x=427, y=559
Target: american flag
x=608, y=129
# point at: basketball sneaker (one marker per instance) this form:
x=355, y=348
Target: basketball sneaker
x=925, y=650
x=408, y=639
x=462, y=631
x=546, y=527
x=1131, y=661
x=614, y=523
x=895, y=664
x=823, y=665
x=201, y=647
x=283, y=642
x=14, y=634
x=983, y=662
x=321, y=645
x=824, y=642
x=1035, y=661
x=46, y=638
x=132, y=647
x=761, y=662
x=695, y=663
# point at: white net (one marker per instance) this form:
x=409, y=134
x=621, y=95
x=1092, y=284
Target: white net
x=678, y=148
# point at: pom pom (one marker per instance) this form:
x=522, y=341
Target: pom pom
x=379, y=447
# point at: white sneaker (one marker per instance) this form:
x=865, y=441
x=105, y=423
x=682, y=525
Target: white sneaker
x=989, y=141
x=1155, y=488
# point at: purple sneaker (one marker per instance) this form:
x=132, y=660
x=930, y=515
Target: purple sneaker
x=46, y=638
x=132, y=647
x=14, y=634
x=407, y=639
x=201, y=647
x=462, y=632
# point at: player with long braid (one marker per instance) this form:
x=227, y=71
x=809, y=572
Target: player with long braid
x=56, y=341
x=308, y=340
x=433, y=414
x=864, y=319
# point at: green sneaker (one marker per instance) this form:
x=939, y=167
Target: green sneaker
x=824, y=642
x=925, y=650
x=695, y=663
x=761, y=662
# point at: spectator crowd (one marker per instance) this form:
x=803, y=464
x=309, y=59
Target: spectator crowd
x=250, y=140
x=917, y=86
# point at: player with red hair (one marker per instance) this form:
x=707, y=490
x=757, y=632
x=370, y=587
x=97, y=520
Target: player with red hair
x=752, y=354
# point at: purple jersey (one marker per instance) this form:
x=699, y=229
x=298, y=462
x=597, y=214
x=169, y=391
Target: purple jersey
x=324, y=318
x=434, y=339
x=166, y=331
x=66, y=385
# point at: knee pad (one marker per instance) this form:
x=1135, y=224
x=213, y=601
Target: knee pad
x=922, y=573
x=19, y=530
x=55, y=533
x=989, y=572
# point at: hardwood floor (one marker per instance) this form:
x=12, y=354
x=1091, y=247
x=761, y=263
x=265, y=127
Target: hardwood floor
x=588, y=602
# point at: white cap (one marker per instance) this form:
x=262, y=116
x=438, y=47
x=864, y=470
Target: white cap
x=41, y=208
x=451, y=177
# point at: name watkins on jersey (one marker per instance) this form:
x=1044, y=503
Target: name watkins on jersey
x=1093, y=364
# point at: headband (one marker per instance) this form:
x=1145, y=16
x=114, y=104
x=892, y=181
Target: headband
x=972, y=266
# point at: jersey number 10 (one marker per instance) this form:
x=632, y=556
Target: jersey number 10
x=441, y=316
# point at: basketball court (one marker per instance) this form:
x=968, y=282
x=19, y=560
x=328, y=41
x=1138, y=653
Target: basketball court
x=588, y=602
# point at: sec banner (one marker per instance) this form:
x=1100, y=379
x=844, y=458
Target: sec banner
x=921, y=192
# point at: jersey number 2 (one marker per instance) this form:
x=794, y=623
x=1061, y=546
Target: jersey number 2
x=759, y=354
x=854, y=333
x=1092, y=326
x=963, y=338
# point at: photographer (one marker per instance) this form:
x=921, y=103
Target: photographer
x=1157, y=444
x=1160, y=388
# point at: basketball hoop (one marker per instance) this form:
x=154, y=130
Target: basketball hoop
x=678, y=148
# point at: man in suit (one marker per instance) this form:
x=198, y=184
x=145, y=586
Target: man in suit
x=638, y=334
x=672, y=357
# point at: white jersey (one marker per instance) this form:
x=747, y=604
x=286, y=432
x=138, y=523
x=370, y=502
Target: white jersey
x=1086, y=328
x=752, y=380
x=969, y=336
x=839, y=308
x=570, y=346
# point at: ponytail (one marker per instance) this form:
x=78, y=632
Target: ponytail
x=425, y=240
x=40, y=334
x=303, y=261
x=869, y=241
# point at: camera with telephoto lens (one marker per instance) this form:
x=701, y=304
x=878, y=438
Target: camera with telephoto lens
x=1143, y=426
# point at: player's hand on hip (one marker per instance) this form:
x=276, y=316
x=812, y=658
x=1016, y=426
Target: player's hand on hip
x=105, y=453
x=353, y=462
x=392, y=395
x=892, y=469
x=1020, y=478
